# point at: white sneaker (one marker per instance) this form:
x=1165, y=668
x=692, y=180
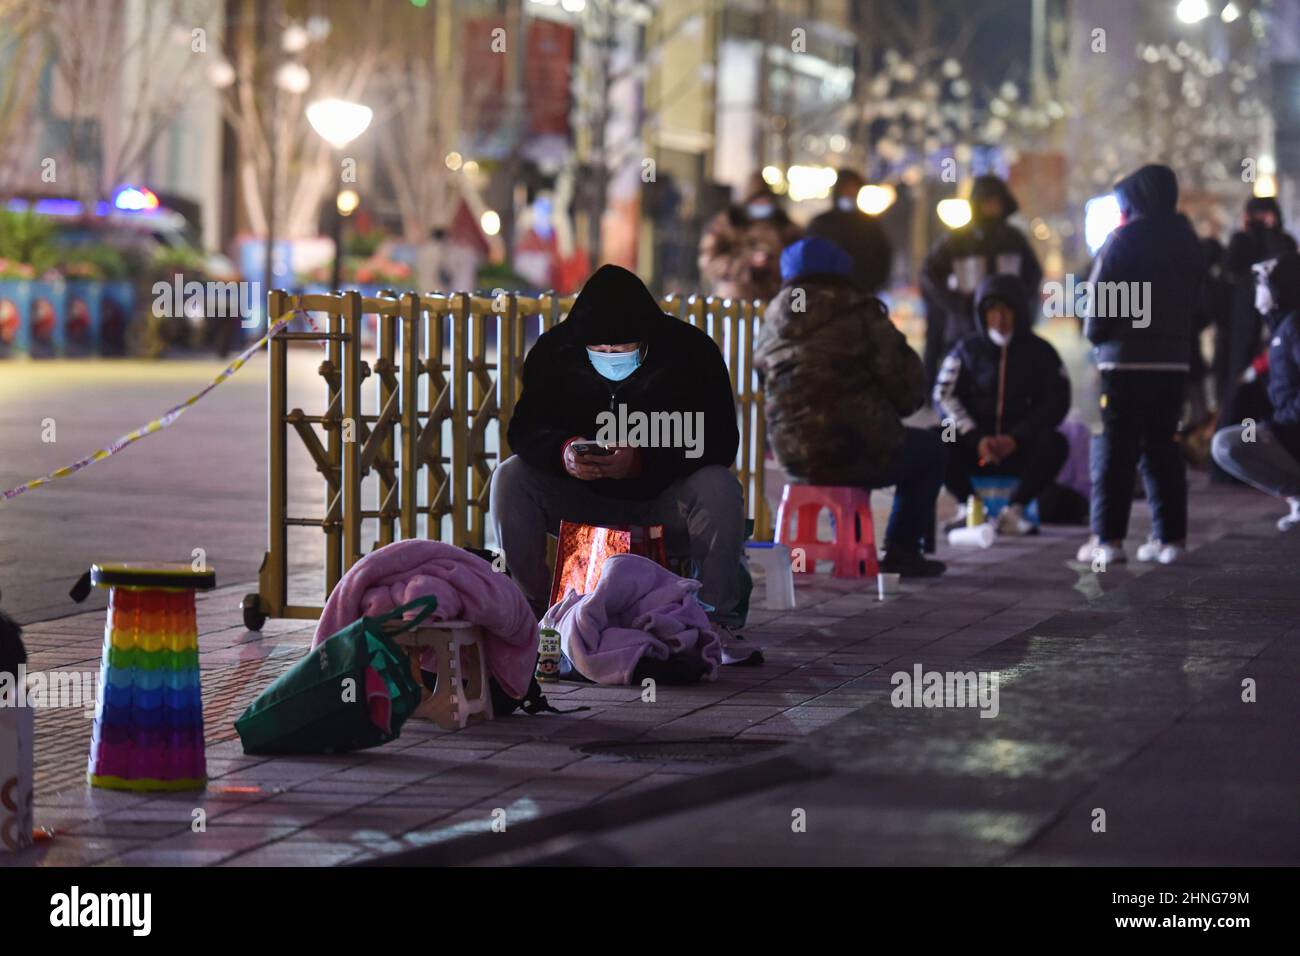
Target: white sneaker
x=1012, y=521
x=1095, y=550
x=1157, y=550
x=1293, y=519
x=737, y=650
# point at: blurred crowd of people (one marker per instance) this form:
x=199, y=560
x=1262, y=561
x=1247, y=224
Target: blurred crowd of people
x=1004, y=388
x=840, y=383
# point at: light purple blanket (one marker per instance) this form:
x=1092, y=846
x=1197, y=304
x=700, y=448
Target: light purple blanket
x=638, y=609
x=467, y=589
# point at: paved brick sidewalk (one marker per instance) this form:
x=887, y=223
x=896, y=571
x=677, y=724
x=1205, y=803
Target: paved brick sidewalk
x=826, y=662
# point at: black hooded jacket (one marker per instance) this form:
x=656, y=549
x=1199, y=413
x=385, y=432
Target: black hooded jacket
x=972, y=392
x=994, y=245
x=681, y=371
x=863, y=238
x=1247, y=247
x=1156, y=245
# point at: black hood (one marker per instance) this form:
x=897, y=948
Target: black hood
x=1008, y=289
x=989, y=187
x=1151, y=191
x=1284, y=283
x=1264, y=204
x=613, y=307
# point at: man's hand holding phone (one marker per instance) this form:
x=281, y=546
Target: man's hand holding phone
x=588, y=461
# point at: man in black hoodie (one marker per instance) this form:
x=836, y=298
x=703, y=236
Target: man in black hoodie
x=860, y=235
x=1237, y=334
x=620, y=373
x=1004, y=390
x=988, y=245
x=1146, y=289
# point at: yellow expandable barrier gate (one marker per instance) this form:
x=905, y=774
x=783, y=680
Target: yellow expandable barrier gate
x=413, y=424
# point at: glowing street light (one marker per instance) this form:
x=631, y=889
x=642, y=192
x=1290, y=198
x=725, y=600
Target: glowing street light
x=339, y=122
x=875, y=199
x=954, y=213
x=1265, y=186
x=491, y=223
x=347, y=202
x=1192, y=11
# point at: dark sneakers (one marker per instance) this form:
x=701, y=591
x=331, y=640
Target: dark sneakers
x=911, y=564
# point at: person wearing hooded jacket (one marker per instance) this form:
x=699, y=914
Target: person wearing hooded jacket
x=838, y=378
x=1267, y=454
x=1143, y=355
x=987, y=245
x=1237, y=333
x=1261, y=238
x=860, y=235
x=619, y=357
x=740, y=249
x=1004, y=390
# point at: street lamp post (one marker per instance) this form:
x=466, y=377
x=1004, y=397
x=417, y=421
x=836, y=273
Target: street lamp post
x=338, y=122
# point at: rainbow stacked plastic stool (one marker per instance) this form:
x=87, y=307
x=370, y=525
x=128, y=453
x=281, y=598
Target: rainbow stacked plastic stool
x=853, y=548
x=148, y=732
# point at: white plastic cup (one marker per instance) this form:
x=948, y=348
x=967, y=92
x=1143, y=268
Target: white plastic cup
x=981, y=536
x=886, y=584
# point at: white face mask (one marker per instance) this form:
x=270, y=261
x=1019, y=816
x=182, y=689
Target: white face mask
x=998, y=339
x=1263, y=294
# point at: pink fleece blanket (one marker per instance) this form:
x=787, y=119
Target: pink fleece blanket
x=467, y=589
x=638, y=609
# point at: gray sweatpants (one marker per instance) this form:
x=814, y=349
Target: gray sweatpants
x=703, y=515
x=1264, y=462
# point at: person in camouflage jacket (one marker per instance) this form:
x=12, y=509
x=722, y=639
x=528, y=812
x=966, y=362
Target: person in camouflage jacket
x=838, y=378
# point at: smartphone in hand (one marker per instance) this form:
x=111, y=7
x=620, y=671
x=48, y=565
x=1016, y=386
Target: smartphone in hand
x=591, y=448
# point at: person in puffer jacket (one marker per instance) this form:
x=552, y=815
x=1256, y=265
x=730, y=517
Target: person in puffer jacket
x=1267, y=454
x=1003, y=390
x=1147, y=287
x=838, y=378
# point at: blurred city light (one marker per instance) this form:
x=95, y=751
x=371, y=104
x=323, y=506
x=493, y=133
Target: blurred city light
x=1266, y=186
x=347, y=202
x=221, y=74
x=134, y=199
x=773, y=176
x=339, y=122
x=293, y=78
x=954, y=213
x=1101, y=217
x=454, y=161
x=295, y=38
x=490, y=223
x=1192, y=11
x=875, y=199
x=810, y=182
x=1230, y=13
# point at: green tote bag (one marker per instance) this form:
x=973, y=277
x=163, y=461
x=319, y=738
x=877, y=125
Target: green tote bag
x=320, y=705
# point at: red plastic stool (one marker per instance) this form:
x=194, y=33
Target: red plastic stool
x=853, y=548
